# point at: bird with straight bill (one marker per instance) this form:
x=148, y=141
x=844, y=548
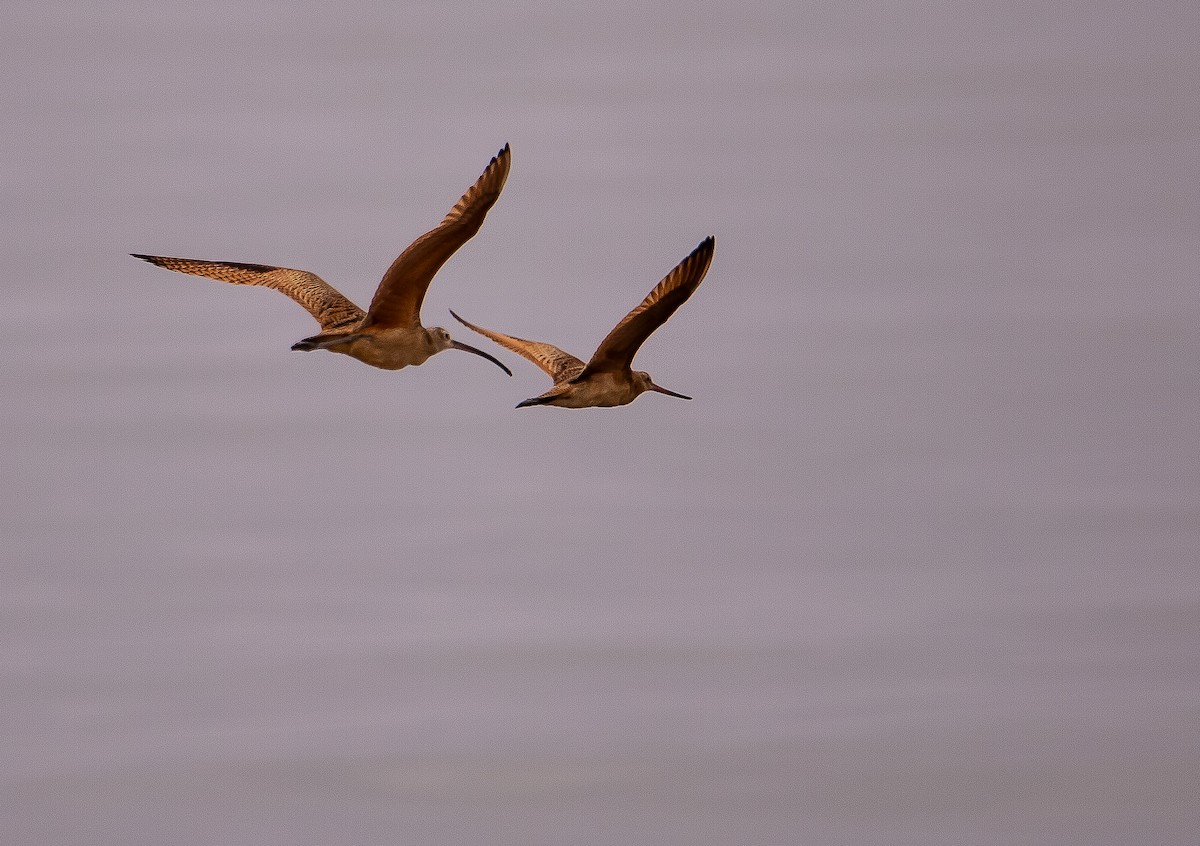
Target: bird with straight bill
x=608, y=379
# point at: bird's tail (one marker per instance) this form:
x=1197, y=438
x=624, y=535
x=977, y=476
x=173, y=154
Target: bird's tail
x=324, y=341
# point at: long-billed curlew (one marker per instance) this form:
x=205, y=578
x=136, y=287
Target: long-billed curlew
x=607, y=379
x=389, y=335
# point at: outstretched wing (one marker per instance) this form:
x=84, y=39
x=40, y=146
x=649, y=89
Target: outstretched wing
x=322, y=300
x=618, y=348
x=397, y=301
x=561, y=366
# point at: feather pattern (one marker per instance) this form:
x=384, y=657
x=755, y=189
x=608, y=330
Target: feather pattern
x=619, y=346
x=397, y=301
x=324, y=302
x=560, y=366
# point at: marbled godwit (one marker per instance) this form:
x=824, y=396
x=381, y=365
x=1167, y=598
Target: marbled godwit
x=607, y=379
x=389, y=335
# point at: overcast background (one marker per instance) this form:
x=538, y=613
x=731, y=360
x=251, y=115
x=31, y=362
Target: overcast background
x=918, y=565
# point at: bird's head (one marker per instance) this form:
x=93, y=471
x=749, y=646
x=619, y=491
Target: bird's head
x=643, y=378
x=442, y=341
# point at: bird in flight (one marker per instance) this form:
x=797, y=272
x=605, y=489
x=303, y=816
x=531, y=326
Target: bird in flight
x=389, y=334
x=607, y=379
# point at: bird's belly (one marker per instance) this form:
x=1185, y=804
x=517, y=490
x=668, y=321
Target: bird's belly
x=391, y=350
x=604, y=390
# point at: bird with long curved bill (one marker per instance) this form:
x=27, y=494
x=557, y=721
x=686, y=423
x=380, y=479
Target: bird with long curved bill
x=608, y=379
x=389, y=334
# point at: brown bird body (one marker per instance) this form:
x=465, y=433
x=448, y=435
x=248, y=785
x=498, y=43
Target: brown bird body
x=389, y=334
x=607, y=379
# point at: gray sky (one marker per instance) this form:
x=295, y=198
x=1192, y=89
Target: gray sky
x=917, y=565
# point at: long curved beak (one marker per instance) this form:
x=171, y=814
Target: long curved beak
x=662, y=390
x=459, y=345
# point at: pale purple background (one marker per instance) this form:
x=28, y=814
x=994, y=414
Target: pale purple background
x=917, y=566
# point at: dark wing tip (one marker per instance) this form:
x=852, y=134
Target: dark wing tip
x=470, y=326
x=162, y=261
x=702, y=254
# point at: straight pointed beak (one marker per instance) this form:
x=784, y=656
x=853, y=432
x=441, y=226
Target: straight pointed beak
x=661, y=390
x=458, y=345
